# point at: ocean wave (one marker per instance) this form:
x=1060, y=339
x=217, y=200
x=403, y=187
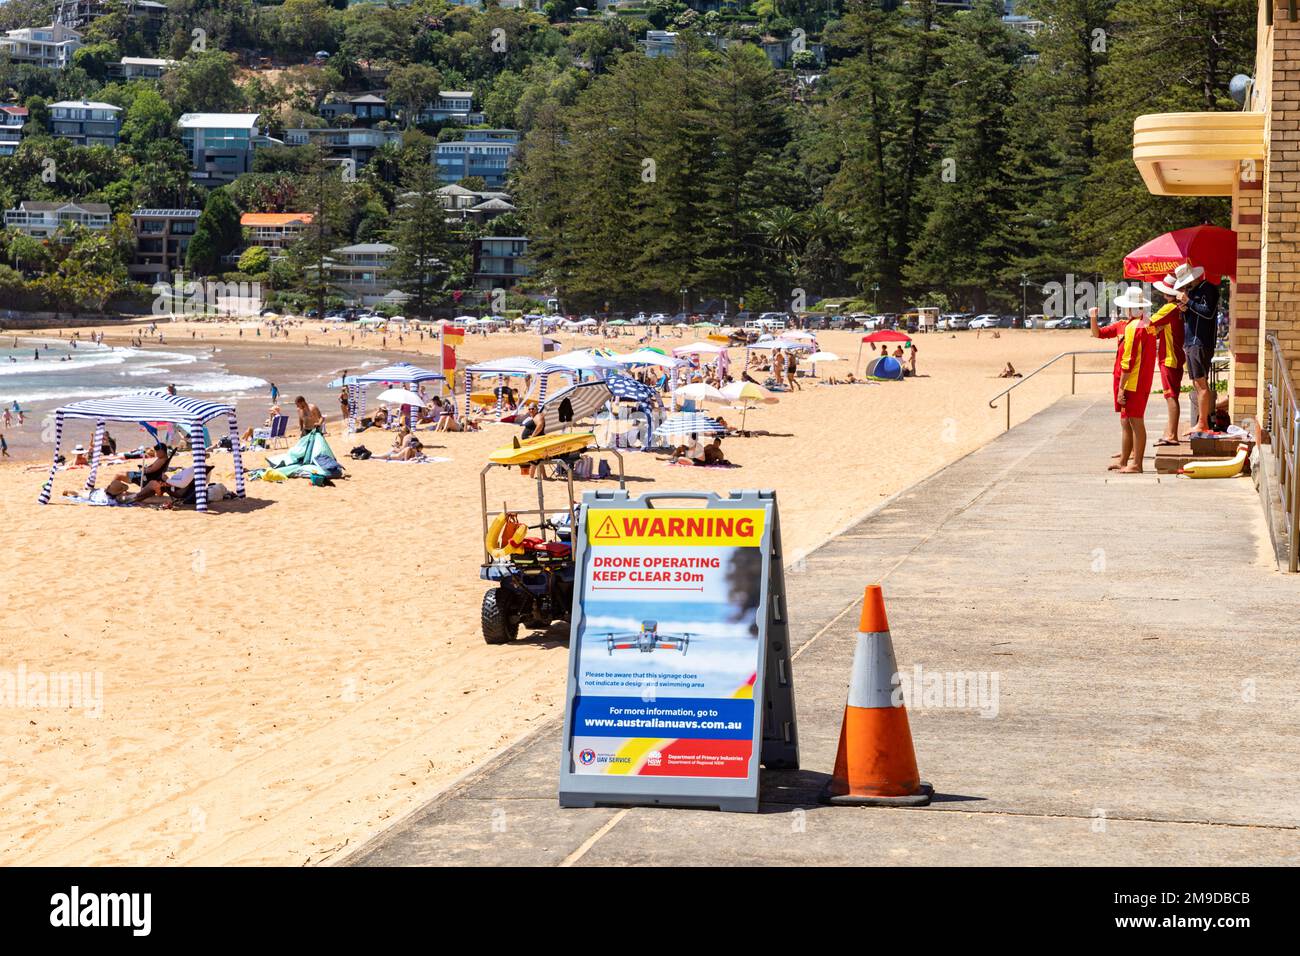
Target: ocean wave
x=49, y=366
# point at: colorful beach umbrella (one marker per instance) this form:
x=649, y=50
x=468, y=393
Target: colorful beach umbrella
x=1213, y=248
x=883, y=335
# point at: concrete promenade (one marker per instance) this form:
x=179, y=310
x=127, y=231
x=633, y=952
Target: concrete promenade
x=1148, y=694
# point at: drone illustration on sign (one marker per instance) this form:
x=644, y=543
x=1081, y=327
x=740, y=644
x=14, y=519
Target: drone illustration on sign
x=648, y=639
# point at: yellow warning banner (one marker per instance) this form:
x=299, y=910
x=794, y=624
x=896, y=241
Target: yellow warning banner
x=676, y=528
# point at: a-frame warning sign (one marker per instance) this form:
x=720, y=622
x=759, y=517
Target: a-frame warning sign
x=607, y=531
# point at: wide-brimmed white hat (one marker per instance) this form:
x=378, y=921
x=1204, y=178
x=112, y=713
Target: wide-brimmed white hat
x=1132, y=299
x=1186, y=274
x=79, y=450
x=1165, y=285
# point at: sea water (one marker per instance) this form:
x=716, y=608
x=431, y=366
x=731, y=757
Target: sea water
x=41, y=371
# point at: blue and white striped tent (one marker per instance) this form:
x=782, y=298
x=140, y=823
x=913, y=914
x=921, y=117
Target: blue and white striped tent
x=399, y=372
x=514, y=365
x=689, y=423
x=153, y=406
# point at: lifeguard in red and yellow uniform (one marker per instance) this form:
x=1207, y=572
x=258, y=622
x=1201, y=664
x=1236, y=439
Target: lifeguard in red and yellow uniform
x=1135, y=363
x=1167, y=326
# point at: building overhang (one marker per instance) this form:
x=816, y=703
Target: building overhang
x=1197, y=154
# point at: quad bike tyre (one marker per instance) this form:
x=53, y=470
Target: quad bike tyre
x=499, y=625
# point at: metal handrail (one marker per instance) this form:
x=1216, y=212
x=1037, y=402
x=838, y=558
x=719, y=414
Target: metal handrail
x=1284, y=440
x=1074, y=371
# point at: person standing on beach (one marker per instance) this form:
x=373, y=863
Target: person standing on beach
x=310, y=418
x=1168, y=327
x=275, y=393
x=4, y=446
x=1135, y=361
x=1199, y=299
x=343, y=400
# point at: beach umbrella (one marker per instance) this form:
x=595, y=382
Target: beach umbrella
x=650, y=357
x=699, y=348
x=887, y=335
x=700, y=392
x=584, y=400
x=747, y=395
x=823, y=357
x=682, y=424
x=883, y=335
x=400, y=396
x=799, y=334
x=748, y=392
x=584, y=361
x=1211, y=247
x=629, y=389
x=617, y=322
x=340, y=382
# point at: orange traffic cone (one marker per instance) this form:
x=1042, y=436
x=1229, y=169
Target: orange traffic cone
x=876, y=765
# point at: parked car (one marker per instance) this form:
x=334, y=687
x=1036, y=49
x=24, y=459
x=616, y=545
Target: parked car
x=986, y=320
x=640, y=319
x=1073, y=322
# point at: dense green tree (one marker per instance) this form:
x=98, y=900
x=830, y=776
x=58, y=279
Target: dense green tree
x=419, y=231
x=216, y=234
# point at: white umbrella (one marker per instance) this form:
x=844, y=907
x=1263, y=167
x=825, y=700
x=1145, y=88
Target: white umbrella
x=398, y=318
x=700, y=392
x=799, y=334
x=649, y=357
x=583, y=360
x=824, y=357
x=699, y=348
x=400, y=396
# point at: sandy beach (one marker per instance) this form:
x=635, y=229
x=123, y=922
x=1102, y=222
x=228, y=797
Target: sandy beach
x=286, y=674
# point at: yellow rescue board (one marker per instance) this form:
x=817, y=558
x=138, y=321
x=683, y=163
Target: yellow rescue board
x=537, y=449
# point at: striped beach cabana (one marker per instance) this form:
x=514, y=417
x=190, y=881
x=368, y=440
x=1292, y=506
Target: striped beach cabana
x=156, y=406
x=400, y=373
x=506, y=367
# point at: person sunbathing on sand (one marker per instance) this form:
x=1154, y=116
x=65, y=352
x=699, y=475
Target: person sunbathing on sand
x=406, y=447
x=1009, y=372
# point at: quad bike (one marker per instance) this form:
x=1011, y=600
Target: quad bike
x=530, y=565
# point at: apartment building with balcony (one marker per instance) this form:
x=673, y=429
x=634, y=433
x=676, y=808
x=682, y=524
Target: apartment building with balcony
x=451, y=106
x=86, y=122
x=275, y=231
x=360, y=272
x=365, y=109
x=220, y=145
x=49, y=47
x=12, y=121
x=500, y=261
x=480, y=152
x=162, y=237
x=354, y=144
x=140, y=68
x=41, y=220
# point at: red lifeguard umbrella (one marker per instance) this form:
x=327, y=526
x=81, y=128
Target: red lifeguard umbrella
x=887, y=335
x=1213, y=248
x=884, y=335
